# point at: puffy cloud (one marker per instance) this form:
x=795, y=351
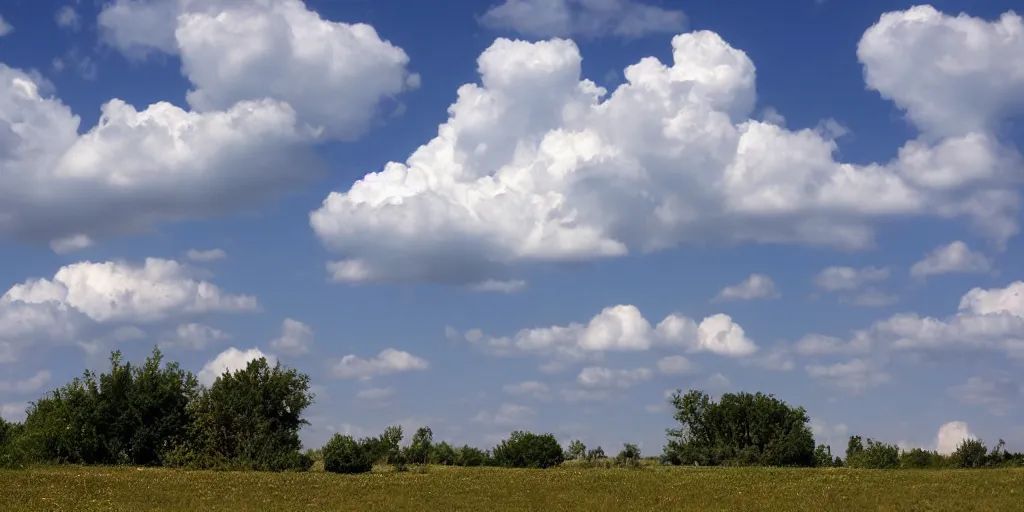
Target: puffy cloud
x=669, y=157
x=119, y=291
x=620, y=328
x=28, y=385
x=270, y=78
x=94, y=303
x=231, y=360
x=954, y=257
x=998, y=394
x=834, y=279
x=208, y=255
x=588, y=18
x=194, y=336
x=295, y=338
x=66, y=17
x=950, y=436
x=388, y=361
x=986, y=320
x=675, y=365
x=855, y=375
x=508, y=415
x=756, y=286
x=334, y=75
x=598, y=377
x=532, y=388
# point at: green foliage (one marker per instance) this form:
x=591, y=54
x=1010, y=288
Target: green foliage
x=528, y=450
x=823, y=456
x=740, y=429
x=249, y=419
x=917, y=458
x=629, y=456
x=132, y=415
x=418, y=451
x=342, y=454
x=470, y=456
x=877, y=455
x=442, y=454
x=970, y=453
x=576, y=451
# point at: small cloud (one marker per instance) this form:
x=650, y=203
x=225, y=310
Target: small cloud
x=70, y=244
x=389, y=361
x=532, y=388
x=380, y=396
x=66, y=17
x=597, y=377
x=855, y=375
x=834, y=279
x=208, y=255
x=5, y=28
x=675, y=365
x=508, y=415
x=194, y=336
x=28, y=385
x=955, y=257
x=295, y=339
x=756, y=286
x=231, y=360
x=492, y=285
x=872, y=298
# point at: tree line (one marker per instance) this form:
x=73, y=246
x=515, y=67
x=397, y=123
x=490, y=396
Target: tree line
x=157, y=414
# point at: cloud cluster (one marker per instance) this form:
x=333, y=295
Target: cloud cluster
x=535, y=164
x=269, y=79
x=88, y=300
x=955, y=257
x=230, y=361
x=617, y=329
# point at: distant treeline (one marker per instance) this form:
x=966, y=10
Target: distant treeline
x=157, y=414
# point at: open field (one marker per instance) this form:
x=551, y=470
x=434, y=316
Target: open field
x=491, y=490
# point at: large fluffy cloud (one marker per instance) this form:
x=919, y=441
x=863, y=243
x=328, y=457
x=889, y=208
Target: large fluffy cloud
x=87, y=299
x=270, y=78
x=536, y=164
x=333, y=74
x=617, y=329
x=230, y=361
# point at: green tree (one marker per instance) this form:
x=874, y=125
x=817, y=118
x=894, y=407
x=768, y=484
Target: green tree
x=249, y=419
x=629, y=456
x=418, y=451
x=342, y=454
x=876, y=455
x=443, y=454
x=969, y=454
x=577, y=450
x=739, y=429
x=528, y=450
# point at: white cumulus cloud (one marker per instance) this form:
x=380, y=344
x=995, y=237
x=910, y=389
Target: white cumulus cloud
x=955, y=257
x=951, y=435
x=388, y=361
x=756, y=286
x=231, y=360
x=537, y=164
x=296, y=338
x=599, y=377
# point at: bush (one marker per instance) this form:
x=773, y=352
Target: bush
x=528, y=450
x=342, y=454
x=917, y=458
x=629, y=456
x=877, y=455
x=971, y=453
x=442, y=454
x=470, y=457
x=576, y=451
x=418, y=451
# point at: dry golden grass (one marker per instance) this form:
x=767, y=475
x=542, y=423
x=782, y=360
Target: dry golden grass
x=493, y=490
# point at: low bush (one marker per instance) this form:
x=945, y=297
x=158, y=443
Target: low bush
x=528, y=450
x=343, y=454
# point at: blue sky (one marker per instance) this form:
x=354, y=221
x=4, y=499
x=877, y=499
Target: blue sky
x=818, y=199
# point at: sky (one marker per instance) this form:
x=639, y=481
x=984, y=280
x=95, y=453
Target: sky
x=492, y=215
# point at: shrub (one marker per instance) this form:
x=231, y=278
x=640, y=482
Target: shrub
x=576, y=451
x=877, y=455
x=917, y=458
x=418, y=451
x=971, y=453
x=629, y=456
x=528, y=450
x=470, y=456
x=342, y=454
x=443, y=454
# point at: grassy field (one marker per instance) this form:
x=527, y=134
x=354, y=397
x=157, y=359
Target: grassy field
x=492, y=490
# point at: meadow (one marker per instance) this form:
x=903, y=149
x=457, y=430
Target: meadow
x=80, y=488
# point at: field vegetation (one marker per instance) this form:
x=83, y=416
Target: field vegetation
x=150, y=436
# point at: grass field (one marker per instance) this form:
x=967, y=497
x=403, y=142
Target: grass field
x=492, y=490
